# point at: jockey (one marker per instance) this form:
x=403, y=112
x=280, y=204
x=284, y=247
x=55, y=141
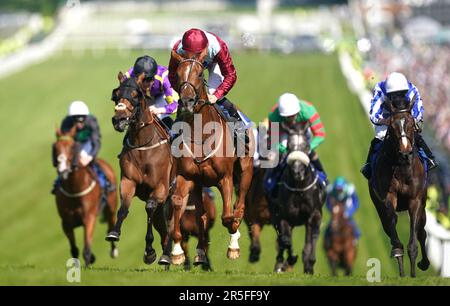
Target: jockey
x=222, y=73
x=87, y=139
x=344, y=192
x=154, y=82
x=291, y=110
x=395, y=87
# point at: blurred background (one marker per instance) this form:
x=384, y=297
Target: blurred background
x=331, y=53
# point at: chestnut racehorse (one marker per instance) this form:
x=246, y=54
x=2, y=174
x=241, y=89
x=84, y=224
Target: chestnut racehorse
x=146, y=166
x=339, y=244
x=216, y=165
x=399, y=183
x=79, y=196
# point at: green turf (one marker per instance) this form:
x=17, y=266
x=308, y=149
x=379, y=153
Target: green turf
x=34, y=248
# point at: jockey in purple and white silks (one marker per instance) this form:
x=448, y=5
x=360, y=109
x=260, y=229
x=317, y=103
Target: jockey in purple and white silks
x=395, y=87
x=154, y=82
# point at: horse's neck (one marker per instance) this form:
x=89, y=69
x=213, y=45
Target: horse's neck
x=140, y=134
x=208, y=115
x=78, y=179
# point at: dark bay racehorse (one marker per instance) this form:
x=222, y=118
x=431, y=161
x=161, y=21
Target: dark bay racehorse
x=339, y=244
x=399, y=184
x=216, y=164
x=189, y=226
x=146, y=166
x=300, y=200
x=79, y=196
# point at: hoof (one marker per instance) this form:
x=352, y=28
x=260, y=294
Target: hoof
x=150, y=257
x=233, y=253
x=178, y=259
x=113, y=236
x=114, y=253
x=253, y=258
x=397, y=252
x=200, y=260
x=279, y=268
x=164, y=260
x=423, y=265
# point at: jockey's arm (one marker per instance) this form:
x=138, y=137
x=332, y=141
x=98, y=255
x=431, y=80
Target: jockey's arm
x=227, y=69
x=170, y=95
x=91, y=121
x=377, y=106
x=317, y=128
x=418, y=109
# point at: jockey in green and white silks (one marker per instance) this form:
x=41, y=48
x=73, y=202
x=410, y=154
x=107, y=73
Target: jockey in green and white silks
x=396, y=86
x=87, y=139
x=290, y=110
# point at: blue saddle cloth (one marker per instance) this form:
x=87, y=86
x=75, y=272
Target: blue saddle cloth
x=100, y=175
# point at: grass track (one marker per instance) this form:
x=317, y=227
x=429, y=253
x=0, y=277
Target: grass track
x=33, y=101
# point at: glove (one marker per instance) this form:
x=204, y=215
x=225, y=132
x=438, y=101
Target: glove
x=85, y=159
x=157, y=110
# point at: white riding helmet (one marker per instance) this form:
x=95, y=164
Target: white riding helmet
x=288, y=104
x=78, y=108
x=396, y=82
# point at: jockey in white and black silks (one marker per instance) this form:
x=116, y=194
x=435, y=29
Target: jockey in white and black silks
x=396, y=86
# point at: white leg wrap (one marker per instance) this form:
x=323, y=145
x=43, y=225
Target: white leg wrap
x=177, y=250
x=234, y=240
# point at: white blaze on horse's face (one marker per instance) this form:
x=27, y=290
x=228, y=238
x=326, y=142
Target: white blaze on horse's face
x=403, y=134
x=120, y=107
x=62, y=163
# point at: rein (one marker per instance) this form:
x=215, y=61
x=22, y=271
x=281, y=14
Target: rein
x=301, y=189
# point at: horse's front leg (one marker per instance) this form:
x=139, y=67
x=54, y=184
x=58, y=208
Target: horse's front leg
x=414, y=216
x=255, y=246
x=179, y=201
x=283, y=241
x=159, y=217
x=202, y=224
x=226, y=190
x=311, y=236
x=89, y=225
x=391, y=220
x=127, y=191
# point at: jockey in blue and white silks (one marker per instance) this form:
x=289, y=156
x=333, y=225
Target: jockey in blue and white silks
x=396, y=86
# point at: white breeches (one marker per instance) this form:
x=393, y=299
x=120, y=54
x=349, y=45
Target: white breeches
x=215, y=78
x=86, y=149
x=380, y=131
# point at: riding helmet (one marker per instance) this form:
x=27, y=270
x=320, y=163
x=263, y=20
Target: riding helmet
x=147, y=65
x=194, y=40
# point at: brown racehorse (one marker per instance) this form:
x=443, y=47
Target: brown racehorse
x=216, y=165
x=257, y=212
x=145, y=164
x=79, y=196
x=399, y=183
x=189, y=226
x=339, y=244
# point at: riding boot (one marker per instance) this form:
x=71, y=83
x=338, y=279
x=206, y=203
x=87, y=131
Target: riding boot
x=430, y=157
x=229, y=113
x=318, y=166
x=366, y=170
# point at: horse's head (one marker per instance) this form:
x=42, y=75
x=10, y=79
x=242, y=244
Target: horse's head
x=401, y=131
x=128, y=97
x=63, y=151
x=298, y=147
x=190, y=82
x=337, y=215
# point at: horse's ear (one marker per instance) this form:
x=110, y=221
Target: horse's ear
x=58, y=132
x=121, y=76
x=177, y=57
x=73, y=131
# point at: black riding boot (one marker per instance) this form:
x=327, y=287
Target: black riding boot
x=430, y=157
x=231, y=115
x=366, y=170
x=318, y=166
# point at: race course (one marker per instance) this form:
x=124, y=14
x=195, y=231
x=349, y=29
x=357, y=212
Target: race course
x=34, y=249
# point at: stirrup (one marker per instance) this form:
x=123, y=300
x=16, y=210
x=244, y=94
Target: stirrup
x=431, y=163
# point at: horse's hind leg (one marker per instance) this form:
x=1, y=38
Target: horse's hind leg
x=185, y=247
x=202, y=223
x=245, y=179
x=422, y=236
x=127, y=190
x=68, y=230
x=255, y=246
x=283, y=242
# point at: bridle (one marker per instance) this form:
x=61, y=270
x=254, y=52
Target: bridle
x=186, y=82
